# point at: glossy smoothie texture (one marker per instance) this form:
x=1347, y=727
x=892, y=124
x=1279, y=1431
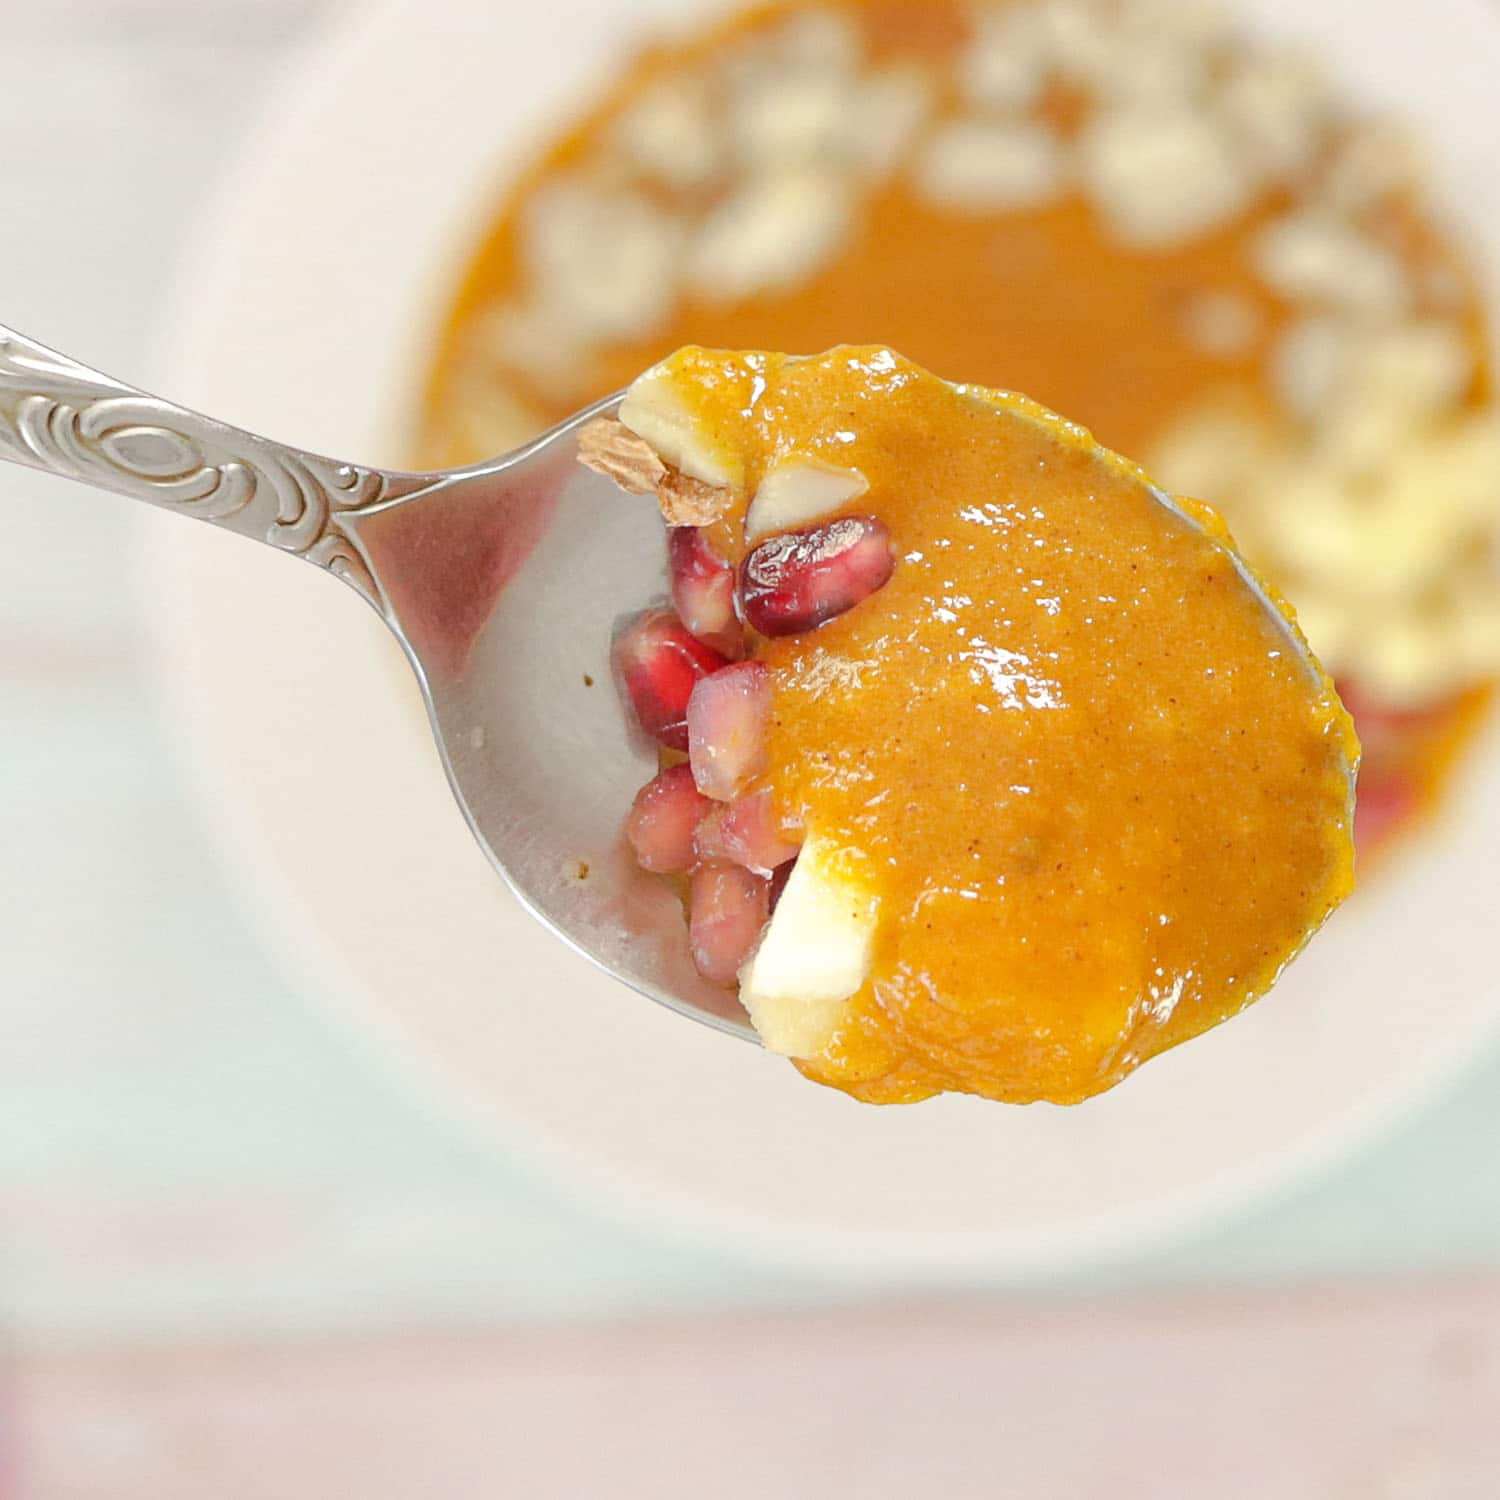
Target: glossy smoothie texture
x=1096, y=797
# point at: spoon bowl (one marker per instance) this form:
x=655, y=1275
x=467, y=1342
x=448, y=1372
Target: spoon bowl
x=504, y=583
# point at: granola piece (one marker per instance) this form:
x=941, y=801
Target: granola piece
x=609, y=447
x=686, y=501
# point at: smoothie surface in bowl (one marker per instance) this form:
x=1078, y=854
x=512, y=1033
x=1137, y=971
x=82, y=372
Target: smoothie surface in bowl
x=324, y=339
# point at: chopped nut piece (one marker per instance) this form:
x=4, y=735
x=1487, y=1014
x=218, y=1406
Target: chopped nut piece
x=1150, y=71
x=800, y=492
x=1162, y=177
x=1277, y=106
x=653, y=410
x=1148, y=55
x=797, y=117
x=537, y=341
x=1005, y=66
x=1306, y=364
x=670, y=134
x=691, y=502
x=609, y=447
x=977, y=164
x=1313, y=257
x=1212, y=452
x=1426, y=365
x=778, y=230
x=890, y=107
x=1375, y=161
x=1389, y=387
x=820, y=41
x=1189, y=23
x=1079, y=39
x=605, y=259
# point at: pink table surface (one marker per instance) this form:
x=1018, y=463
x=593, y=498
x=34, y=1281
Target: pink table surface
x=1314, y=1395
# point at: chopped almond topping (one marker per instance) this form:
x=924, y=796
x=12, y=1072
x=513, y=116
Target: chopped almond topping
x=690, y=502
x=609, y=447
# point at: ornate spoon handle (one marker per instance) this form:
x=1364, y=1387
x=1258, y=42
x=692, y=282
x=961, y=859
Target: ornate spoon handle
x=62, y=417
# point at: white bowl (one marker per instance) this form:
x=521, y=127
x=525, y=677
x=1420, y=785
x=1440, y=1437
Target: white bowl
x=328, y=260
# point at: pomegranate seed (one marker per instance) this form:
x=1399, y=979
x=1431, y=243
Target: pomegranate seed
x=703, y=591
x=745, y=833
x=802, y=580
x=729, y=910
x=726, y=721
x=661, y=663
x=666, y=814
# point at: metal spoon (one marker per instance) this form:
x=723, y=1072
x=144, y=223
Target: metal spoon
x=502, y=582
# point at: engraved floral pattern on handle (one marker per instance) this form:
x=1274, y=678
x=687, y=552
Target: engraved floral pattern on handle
x=67, y=419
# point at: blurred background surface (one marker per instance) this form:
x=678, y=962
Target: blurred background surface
x=225, y=1229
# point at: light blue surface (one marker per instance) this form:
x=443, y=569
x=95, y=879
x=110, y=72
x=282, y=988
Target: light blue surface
x=186, y=1141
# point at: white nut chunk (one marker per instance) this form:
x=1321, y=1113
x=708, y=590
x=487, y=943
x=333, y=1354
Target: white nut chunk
x=1424, y=367
x=1276, y=105
x=1315, y=258
x=1212, y=452
x=653, y=410
x=1390, y=385
x=1374, y=161
x=798, y=493
x=605, y=261
x=990, y=165
x=814, y=957
x=889, y=110
x=1307, y=362
x=1162, y=178
x=1196, y=24
x=670, y=135
x=778, y=230
x=818, y=41
x=1005, y=66
x=1157, y=54
x=796, y=117
x=537, y=340
x=1079, y=41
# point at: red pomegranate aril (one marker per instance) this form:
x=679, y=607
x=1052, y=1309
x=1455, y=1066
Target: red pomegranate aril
x=745, y=833
x=726, y=722
x=728, y=910
x=703, y=591
x=663, y=822
x=799, y=581
x=660, y=662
